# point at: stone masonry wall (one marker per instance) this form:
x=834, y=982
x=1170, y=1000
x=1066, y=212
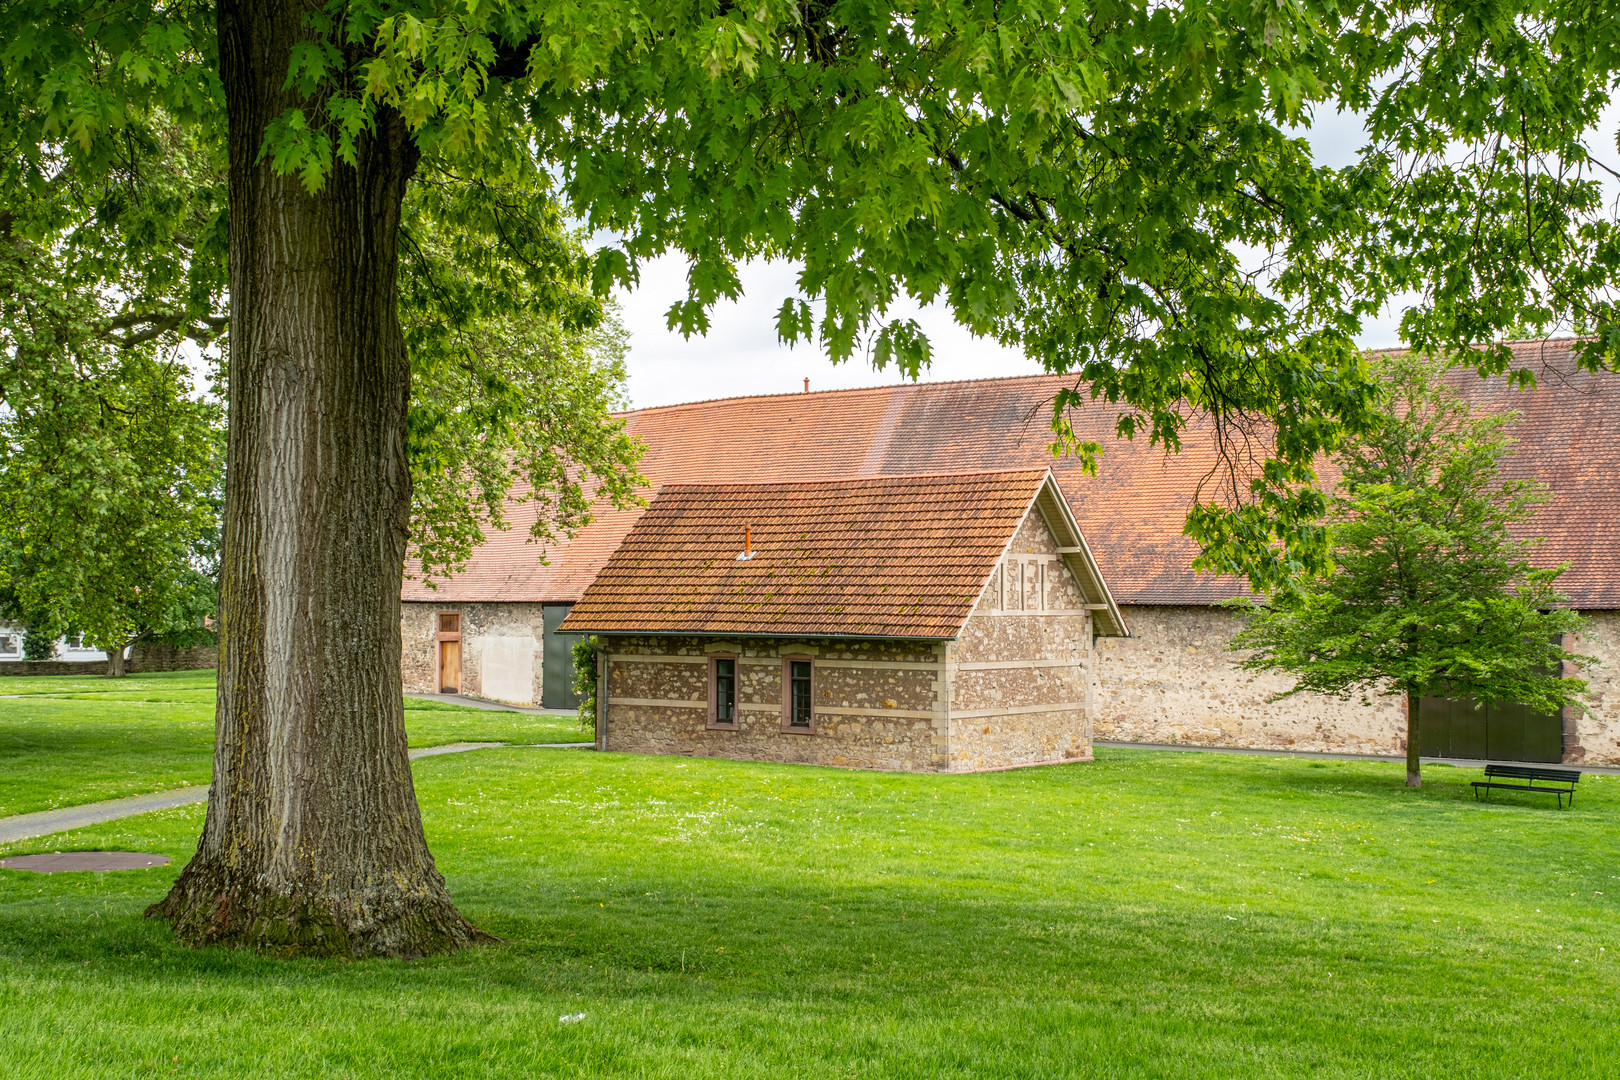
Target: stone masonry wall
x=514, y=629
x=1019, y=673
x=1596, y=735
x=878, y=705
x=169, y=658
x=1173, y=681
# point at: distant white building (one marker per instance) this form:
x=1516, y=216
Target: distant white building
x=67, y=648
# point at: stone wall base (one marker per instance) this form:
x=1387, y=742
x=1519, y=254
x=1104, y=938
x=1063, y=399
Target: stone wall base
x=142, y=660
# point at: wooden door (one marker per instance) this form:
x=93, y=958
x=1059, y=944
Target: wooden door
x=449, y=667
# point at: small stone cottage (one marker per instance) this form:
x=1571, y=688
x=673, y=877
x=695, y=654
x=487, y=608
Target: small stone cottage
x=492, y=629
x=932, y=623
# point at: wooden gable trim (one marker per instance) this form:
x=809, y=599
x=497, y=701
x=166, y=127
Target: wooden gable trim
x=1077, y=555
x=1074, y=552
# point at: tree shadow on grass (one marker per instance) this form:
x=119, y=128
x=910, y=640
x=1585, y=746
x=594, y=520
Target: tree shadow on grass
x=902, y=972
x=819, y=957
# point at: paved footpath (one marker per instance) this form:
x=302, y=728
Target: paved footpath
x=494, y=706
x=1465, y=763
x=45, y=822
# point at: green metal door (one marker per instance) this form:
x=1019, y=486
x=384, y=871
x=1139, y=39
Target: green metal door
x=557, y=660
x=1519, y=733
x=1470, y=730
x=1507, y=731
x=1434, y=727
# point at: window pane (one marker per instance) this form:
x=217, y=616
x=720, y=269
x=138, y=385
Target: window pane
x=449, y=624
x=725, y=691
x=799, y=713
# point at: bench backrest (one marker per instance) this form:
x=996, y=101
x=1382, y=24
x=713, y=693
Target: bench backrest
x=1521, y=772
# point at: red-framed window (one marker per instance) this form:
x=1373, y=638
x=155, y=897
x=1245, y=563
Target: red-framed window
x=798, y=694
x=723, y=691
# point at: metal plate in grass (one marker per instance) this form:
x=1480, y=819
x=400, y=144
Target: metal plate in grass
x=57, y=862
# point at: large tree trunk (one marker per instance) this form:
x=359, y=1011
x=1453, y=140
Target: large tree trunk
x=313, y=841
x=1414, y=769
x=116, y=668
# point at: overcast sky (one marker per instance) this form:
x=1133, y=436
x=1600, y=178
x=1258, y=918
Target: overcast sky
x=740, y=353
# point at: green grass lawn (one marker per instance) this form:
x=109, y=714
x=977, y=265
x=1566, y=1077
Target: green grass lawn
x=67, y=740
x=1150, y=914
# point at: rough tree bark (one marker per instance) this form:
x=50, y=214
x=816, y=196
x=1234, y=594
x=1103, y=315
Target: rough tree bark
x=116, y=664
x=313, y=841
x=1414, y=774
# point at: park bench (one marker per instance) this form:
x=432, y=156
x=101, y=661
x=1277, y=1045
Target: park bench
x=1527, y=776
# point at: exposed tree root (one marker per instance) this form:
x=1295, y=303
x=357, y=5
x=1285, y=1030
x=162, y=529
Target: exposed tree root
x=210, y=905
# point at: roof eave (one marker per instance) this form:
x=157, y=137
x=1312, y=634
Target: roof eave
x=800, y=634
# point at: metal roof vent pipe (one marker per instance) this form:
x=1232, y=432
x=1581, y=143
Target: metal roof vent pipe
x=748, y=544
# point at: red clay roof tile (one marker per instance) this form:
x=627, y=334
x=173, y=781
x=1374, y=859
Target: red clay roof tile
x=1133, y=509
x=870, y=557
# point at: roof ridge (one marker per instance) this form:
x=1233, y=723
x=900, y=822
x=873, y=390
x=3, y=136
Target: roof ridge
x=1013, y=378
x=841, y=390
x=1553, y=341
x=854, y=478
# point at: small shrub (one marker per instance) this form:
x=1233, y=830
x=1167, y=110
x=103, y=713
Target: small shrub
x=585, y=681
x=39, y=643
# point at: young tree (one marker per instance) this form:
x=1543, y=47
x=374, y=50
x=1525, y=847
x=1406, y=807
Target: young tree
x=1433, y=591
x=1074, y=179
x=39, y=641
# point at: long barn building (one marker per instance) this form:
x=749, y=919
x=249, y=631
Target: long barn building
x=492, y=629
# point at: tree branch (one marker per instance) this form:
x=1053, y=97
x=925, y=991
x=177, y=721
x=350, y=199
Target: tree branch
x=156, y=324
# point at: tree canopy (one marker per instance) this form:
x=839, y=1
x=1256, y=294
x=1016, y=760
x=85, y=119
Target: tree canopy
x=117, y=246
x=1121, y=188
x=111, y=461
x=515, y=369
x=110, y=496
x=1073, y=180
x=1434, y=590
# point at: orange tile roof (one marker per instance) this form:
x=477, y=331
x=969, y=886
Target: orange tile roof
x=1133, y=509
x=871, y=557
